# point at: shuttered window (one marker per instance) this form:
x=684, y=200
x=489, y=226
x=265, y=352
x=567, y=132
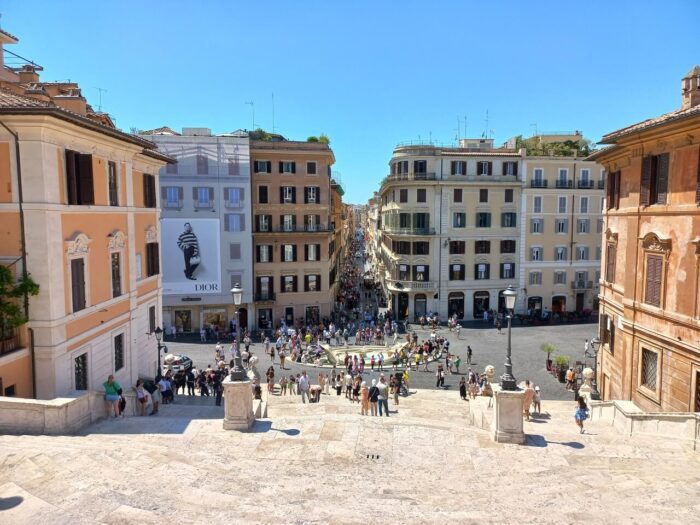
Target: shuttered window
x=697, y=200
x=79, y=178
x=610, y=257
x=152, y=259
x=654, y=184
x=654, y=268
x=650, y=364
x=149, y=191
x=77, y=272
x=613, y=190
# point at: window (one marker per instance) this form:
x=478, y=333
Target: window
x=312, y=283
x=234, y=222
x=484, y=168
x=561, y=208
x=116, y=274
x=508, y=220
x=172, y=196
x=403, y=195
x=312, y=223
x=536, y=226
x=312, y=252
x=288, y=195
x=457, y=272
x=402, y=167
x=649, y=369
x=202, y=164
x=538, y=176
x=263, y=223
x=263, y=253
x=457, y=195
x=421, y=273
x=560, y=253
x=561, y=225
x=404, y=220
x=77, y=272
x=421, y=221
x=118, y=352
x=80, y=369
x=585, y=176
x=536, y=253
x=563, y=178
x=311, y=168
x=483, y=220
x=289, y=252
x=458, y=247
x=459, y=220
x=286, y=166
x=613, y=190
x=262, y=195
x=535, y=278
x=653, y=278
x=559, y=277
x=599, y=226
x=401, y=247
x=508, y=197
x=482, y=247
x=203, y=197
x=289, y=283
x=582, y=253
x=79, y=178
x=289, y=222
x=152, y=259
x=507, y=270
x=654, y=180
x=510, y=168
x=404, y=272
x=312, y=195
x=481, y=271
x=151, y=319
x=112, y=184
x=149, y=191
x=421, y=248
x=458, y=167
x=610, y=258
x=262, y=166
x=420, y=195
x=420, y=167
x=234, y=249
x=583, y=205
x=582, y=225
x=537, y=204
x=507, y=246
x=233, y=197
x=483, y=195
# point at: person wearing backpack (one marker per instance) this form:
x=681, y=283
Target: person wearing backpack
x=373, y=396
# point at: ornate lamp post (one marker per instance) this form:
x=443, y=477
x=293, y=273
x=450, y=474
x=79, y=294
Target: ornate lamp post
x=159, y=337
x=507, y=379
x=238, y=374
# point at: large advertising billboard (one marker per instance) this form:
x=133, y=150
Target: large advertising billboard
x=191, y=256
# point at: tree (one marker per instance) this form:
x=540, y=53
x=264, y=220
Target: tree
x=312, y=138
x=323, y=139
x=11, y=311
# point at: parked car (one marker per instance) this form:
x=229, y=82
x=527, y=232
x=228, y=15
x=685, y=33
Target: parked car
x=176, y=362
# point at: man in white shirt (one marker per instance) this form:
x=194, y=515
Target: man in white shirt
x=303, y=386
x=383, y=395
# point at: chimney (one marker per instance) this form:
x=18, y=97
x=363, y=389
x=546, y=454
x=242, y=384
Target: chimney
x=28, y=74
x=690, y=88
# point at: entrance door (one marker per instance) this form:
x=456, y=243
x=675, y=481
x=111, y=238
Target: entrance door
x=264, y=318
x=420, y=305
x=289, y=316
x=403, y=305
x=243, y=317
x=579, y=301
x=481, y=304
x=559, y=304
x=455, y=304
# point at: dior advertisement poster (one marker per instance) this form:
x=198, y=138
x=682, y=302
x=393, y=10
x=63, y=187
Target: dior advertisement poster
x=190, y=256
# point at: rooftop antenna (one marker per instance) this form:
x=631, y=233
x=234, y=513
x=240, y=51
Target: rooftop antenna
x=273, y=113
x=99, y=103
x=534, y=126
x=465, y=126
x=459, y=128
x=252, y=106
x=430, y=139
x=485, y=134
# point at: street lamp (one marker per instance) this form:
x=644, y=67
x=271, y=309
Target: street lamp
x=159, y=337
x=507, y=379
x=595, y=346
x=237, y=373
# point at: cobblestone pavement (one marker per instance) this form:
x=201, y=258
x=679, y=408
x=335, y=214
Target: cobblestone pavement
x=325, y=463
x=488, y=345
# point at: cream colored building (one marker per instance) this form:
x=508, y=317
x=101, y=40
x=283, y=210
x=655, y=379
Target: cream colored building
x=559, y=263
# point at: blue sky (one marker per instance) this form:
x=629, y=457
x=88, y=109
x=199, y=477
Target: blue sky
x=369, y=74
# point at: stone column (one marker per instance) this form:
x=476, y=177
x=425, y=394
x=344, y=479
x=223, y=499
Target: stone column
x=238, y=405
x=508, y=416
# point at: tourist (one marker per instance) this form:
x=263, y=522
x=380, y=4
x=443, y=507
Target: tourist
x=382, y=398
x=338, y=384
x=463, y=388
x=581, y=413
x=218, y=387
x=528, y=397
x=372, y=362
x=356, y=388
x=303, y=386
x=469, y=355
x=292, y=384
x=282, y=355
x=270, y=375
x=141, y=397
x=373, y=396
x=570, y=379
x=283, y=385
x=348, y=386
x=440, y=375
x=155, y=397
x=189, y=379
x=111, y=396
x=166, y=392
x=364, y=397
x=536, y=401
x=457, y=362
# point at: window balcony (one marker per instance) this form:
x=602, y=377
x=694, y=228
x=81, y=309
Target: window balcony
x=538, y=183
x=315, y=228
x=564, y=183
x=421, y=175
x=399, y=285
x=585, y=184
x=601, y=184
x=261, y=297
x=9, y=343
x=410, y=231
x=581, y=285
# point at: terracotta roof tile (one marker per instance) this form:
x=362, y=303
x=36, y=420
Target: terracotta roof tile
x=8, y=99
x=9, y=34
x=650, y=123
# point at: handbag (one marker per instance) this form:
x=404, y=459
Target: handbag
x=195, y=259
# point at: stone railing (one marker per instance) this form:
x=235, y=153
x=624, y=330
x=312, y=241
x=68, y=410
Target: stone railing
x=629, y=419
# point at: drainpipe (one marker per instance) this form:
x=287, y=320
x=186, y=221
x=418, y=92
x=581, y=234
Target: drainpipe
x=23, y=245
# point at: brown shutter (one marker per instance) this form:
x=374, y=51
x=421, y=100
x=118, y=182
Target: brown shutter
x=180, y=193
x=489, y=166
x=281, y=167
x=294, y=194
x=163, y=193
x=515, y=169
x=226, y=192
x=194, y=193
x=504, y=167
x=453, y=169
x=662, y=178
x=697, y=188
x=294, y=167
x=72, y=176
x=211, y=194
x=609, y=190
x=645, y=187
x=78, y=283
x=652, y=293
x=85, y=187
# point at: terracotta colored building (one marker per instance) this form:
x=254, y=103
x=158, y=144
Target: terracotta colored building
x=650, y=283
x=79, y=211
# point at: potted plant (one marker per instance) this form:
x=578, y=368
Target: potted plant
x=549, y=349
x=561, y=362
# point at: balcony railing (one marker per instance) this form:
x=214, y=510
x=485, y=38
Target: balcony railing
x=296, y=229
x=408, y=286
x=410, y=231
x=581, y=285
x=9, y=343
x=601, y=184
x=585, y=184
x=264, y=296
x=421, y=175
x=538, y=183
x=564, y=183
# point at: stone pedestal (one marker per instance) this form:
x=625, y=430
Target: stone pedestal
x=586, y=389
x=238, y=405
x=508, y=416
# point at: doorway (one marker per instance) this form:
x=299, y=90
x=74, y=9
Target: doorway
x=403, y=305
x=481, y=304
x=289, y=315
x=420, y=305
x=559, y=304
x=264, y=318
x=455, y=304
x=580, y=299
x=243, y=319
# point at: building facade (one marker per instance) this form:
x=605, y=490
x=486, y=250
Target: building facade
x=449, y=225
x=207, y=192
x=562, y=222
x=650, y=283
x=294, y=241
x=79, y=210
